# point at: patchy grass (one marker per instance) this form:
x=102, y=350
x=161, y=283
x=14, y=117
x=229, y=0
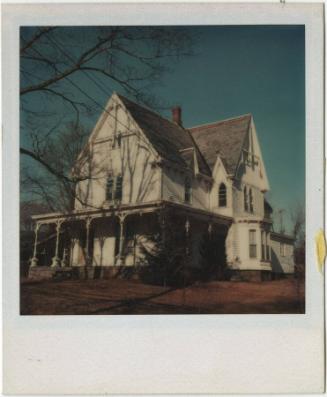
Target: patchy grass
x=116, y=296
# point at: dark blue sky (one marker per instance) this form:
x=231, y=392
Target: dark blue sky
x=258, y=70
x=237, y=70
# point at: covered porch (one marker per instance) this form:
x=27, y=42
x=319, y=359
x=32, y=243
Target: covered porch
x=101, y=242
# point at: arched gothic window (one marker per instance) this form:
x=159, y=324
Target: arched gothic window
x=251, y=200
x=222, y=195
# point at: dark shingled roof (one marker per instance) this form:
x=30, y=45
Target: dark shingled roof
x=281, y=237
x=225, y=138
x=168, y=138
x=267, y=206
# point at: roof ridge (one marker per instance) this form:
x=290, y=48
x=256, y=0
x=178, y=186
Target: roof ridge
x=242, y=146
x=220, y=121
x=186, y=138
x=151, y=111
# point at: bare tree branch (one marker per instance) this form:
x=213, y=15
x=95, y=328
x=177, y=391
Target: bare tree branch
x=53, y=56
x=36, y=37
x=44, y=163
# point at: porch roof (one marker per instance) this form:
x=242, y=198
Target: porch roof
x=128, y=209
x=282, y=237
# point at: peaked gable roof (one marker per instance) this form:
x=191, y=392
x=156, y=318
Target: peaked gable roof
x=224, y=138
x=168, y=138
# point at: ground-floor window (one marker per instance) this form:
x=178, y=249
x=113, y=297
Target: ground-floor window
x=282, y=249
x=265, y=249
x=263, y=245
x=130, y=238
x=253, y=243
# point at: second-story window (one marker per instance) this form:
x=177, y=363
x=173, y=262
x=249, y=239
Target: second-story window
x=253, y=243
x=222, y=195
x=119, y=188
x=250, y=200
x=245, y=197
x=110, y=188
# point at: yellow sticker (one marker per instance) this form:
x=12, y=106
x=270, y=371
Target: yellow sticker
x=320, y=249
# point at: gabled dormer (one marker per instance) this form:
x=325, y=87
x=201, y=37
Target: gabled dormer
x=119, y=161
x=232, y=145
x=221, y=192
x=250, y=177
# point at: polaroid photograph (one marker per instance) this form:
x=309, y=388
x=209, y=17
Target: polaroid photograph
x=163, y=187
x=175, y=208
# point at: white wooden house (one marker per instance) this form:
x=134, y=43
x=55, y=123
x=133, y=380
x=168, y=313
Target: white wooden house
x=137, y=164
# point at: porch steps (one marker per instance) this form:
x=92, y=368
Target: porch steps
x=48, y=273
x=81, y=272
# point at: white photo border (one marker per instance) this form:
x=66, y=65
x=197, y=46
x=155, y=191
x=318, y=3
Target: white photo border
x=164, y=354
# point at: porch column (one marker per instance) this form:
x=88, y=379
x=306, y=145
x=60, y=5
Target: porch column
x=162, y=223
x=186, y=261
x=56, y=259
x=121, y=238
x=210, y=229
x=34, y=260
x=87, y=248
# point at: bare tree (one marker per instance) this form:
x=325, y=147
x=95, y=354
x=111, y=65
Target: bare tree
x=55, y=188
x=297, y=213
x=27, y=209
x=279, y=220
x=62, y=67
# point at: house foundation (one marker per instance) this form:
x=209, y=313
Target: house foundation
x=251, y=275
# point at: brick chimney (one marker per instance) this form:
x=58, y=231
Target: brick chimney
x=177, y=115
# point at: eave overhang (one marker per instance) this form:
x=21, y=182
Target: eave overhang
x=128, y=209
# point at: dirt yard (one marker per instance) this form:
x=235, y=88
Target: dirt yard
x=131, y=297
